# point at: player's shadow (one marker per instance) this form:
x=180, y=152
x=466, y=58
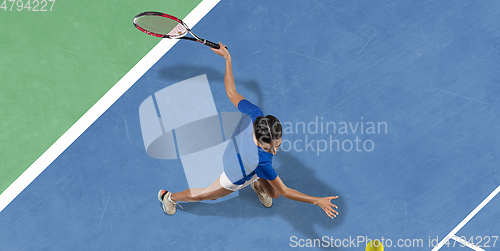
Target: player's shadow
x=302, y=216
x=215, y=77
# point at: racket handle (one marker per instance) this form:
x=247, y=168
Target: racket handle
x=211, y=44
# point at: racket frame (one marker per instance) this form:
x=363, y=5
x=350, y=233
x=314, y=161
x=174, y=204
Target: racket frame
x=183, y=36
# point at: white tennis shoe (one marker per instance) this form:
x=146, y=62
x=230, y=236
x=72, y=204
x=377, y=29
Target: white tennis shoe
x=264, y=199
x=168, y=206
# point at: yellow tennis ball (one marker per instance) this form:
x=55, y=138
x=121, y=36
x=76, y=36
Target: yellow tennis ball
x=374, y=245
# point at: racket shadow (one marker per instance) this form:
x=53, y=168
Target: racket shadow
x=303, y=217
x=179, y=73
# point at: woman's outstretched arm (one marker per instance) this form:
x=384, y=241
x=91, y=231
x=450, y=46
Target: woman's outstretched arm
x=323, y=202
x=231, y=93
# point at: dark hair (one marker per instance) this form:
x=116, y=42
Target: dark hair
x=263, y=126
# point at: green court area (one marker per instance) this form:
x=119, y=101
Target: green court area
x=57, y=63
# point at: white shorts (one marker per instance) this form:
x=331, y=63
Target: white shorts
x=227, y=184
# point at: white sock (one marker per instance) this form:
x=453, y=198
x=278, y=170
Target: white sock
x=169, y=197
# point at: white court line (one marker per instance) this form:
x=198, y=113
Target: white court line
x=467, y=219
x=466, y=243
x=100, y=107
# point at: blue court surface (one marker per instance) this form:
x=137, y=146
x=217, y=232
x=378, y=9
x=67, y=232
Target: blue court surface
x=412, y=87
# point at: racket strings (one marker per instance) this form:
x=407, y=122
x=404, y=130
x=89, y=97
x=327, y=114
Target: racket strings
x=162, y=25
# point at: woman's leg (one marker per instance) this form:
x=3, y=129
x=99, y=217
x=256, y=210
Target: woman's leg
x=212, y=192
x=264, y=185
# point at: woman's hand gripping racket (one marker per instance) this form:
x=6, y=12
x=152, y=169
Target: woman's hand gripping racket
x=167, y=26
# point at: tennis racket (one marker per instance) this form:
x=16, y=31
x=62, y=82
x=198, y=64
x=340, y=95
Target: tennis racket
x=167, y=26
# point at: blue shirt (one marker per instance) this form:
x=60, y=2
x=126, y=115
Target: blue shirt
x=242, y=157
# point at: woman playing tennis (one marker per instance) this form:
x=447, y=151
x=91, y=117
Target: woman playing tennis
x=247, y=159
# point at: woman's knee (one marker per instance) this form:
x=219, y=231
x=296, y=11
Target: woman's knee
x=274, y=194
x=269, y=189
